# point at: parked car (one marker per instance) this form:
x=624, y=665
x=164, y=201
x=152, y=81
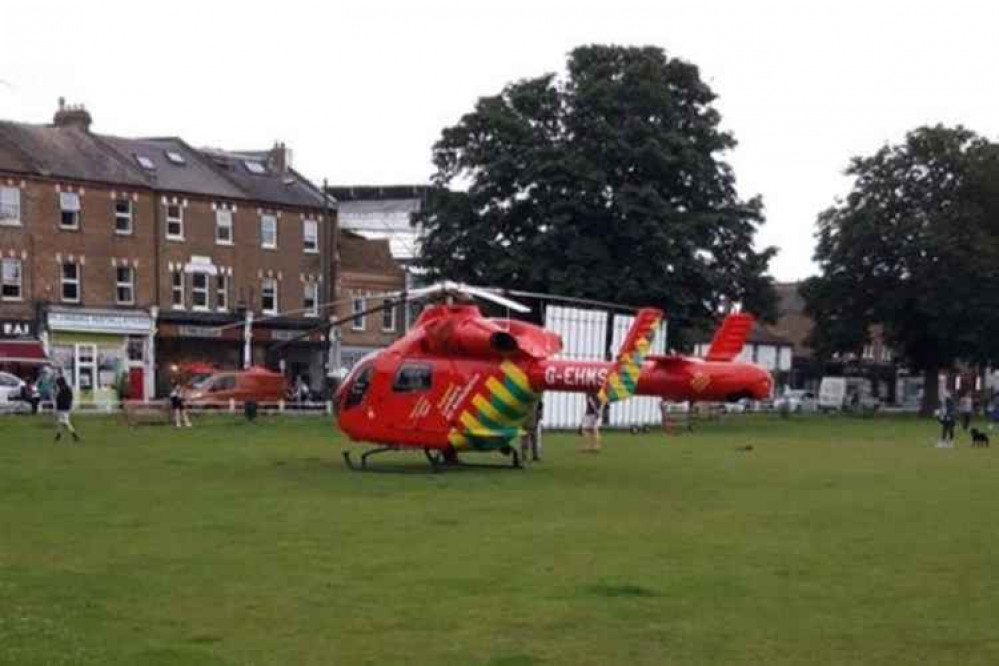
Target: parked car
x=796, y=400
x=255, y=384
x=11, y=387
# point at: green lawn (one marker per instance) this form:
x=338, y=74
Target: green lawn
x=833, y=541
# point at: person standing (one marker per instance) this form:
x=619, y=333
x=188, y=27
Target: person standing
x=177, y=406
x=530, y=441
x=591, y=424
x=948, y=417
x=966, y=408
x=64, y=405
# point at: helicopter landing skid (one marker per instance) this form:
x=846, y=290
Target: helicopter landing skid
x=446, y=462
x=363, y=466
x=439, y=462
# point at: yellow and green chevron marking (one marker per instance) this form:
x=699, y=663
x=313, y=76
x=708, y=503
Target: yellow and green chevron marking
x=495, y=414
x=623, y=379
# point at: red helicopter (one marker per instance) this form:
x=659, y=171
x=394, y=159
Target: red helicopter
x=459, y=381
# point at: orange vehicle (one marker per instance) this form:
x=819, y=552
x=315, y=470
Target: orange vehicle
x=256, y=384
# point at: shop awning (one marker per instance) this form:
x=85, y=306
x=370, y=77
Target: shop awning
x=22, y=351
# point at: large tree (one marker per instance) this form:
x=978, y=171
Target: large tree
x=914, y=247
x=607, y=183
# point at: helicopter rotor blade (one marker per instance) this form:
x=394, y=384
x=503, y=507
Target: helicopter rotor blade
x=488, y=295
x=569, y=299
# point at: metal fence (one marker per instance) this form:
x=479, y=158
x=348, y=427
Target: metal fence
x=584, y=337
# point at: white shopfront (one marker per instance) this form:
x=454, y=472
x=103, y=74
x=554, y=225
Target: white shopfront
x=102, y=352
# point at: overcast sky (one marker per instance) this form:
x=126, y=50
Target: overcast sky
x=361, y=90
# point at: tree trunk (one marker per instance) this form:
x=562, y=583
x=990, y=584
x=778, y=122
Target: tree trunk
x=931, y=391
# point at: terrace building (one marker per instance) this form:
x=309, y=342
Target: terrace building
x=123, y=258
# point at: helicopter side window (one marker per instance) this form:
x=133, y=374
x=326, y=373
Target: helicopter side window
x=357, y=391
x=413, y=377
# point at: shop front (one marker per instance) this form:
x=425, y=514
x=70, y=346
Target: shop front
x=21, y=352
x=296, y=350
x=186, y=345
x=107, y=355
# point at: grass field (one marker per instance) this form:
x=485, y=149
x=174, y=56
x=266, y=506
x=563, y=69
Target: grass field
x=833, y=541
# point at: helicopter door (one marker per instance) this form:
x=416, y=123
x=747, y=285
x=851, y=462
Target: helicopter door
x=411, y=393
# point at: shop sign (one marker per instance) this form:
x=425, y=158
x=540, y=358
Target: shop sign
x=199, y=331
x=101, y=322
x=17, y=328
x=286, y=335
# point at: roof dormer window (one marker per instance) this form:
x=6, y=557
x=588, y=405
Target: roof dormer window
x=145, y=162
x=176, y=158
x=255, y=167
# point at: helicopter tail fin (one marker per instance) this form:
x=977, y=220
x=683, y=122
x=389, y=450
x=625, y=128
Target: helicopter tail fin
x=623, y=378
x=730, y=338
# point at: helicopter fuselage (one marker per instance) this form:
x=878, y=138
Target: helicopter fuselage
x=463, y=381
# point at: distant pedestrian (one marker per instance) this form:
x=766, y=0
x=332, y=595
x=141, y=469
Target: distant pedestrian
x=966, y=408
x=591, y=424
x=178, y=408
x=64, y=405
x=948, y=418
x=530, y=442
x=46, y=385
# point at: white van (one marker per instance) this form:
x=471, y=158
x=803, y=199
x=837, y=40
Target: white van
x=836, y=392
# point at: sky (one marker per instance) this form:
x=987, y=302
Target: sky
x=360, y=91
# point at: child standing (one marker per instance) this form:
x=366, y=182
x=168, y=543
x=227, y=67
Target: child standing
x=178, y=407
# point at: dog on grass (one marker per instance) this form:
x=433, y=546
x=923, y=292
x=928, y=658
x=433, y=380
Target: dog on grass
x=979, y=438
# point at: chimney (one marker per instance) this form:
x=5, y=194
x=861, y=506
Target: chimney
x=72, y=116
x=279, y=158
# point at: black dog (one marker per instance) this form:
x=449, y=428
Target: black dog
x=979, y=438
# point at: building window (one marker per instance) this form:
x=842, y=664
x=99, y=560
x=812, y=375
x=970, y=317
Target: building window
x=199, y=291
x=268, y=232
x=175, y=222
x=122, y=216
x=69, y=202
x=177, y=290
x=145, y=162
x=255, y=167
x=10, y=206
x=310, y=234
x=125, y=285
x=222, y=292
x=359, y=323
x=223, y=226
x=269, y=296
x=310, y=301
x=71, y=283
x=388, y=317
x=10, y=280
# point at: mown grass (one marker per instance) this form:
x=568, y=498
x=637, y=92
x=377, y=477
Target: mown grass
x=831, y=541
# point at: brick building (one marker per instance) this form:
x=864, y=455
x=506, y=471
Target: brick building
x=367, y=269
x=126, y=257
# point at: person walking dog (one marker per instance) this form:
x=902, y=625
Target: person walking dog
x=64, y=405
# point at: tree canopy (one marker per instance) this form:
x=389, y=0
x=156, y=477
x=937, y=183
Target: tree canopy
x=606, y=183
x=914, y=247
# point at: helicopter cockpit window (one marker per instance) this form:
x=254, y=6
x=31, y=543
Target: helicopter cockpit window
x=413, y=377
x=357, y=391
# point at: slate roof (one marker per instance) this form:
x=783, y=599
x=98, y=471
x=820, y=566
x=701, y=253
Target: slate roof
x=362, y=255
x=195, y=176
x=72, y=153
x=62, y=152
x=289, y=187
